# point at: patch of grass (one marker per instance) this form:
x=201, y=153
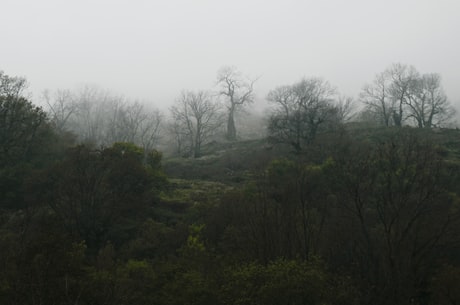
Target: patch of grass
x=194, y=191
x=226, y=162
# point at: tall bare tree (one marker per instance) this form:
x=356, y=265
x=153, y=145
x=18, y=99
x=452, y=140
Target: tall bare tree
x=302, y=110
x=196, y=116
x=377, y=99
x=237, y=91
x=428, y=104
x=401, y=94
x=404, y=79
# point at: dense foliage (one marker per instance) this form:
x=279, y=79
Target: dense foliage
x=357, y=216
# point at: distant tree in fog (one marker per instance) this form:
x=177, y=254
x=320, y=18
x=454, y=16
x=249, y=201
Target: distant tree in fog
x=134, y=123
x=428, y=105
x=195, y=117
x=377, y=100
x=346, y=108
x=61, y=108
x=101, y=118
x=237, y=92
x=94, y=107
x=400, y=94
x=302, y=110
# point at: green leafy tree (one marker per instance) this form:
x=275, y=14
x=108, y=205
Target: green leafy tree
x=21, y=125
x=12, y=86
x=283, y=282
x=445, y=286
x=99, y=195
x=41, y=263
x=397, y=213
x=282, y=214
x=26, y=140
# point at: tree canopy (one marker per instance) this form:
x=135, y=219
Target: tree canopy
x=340, y=213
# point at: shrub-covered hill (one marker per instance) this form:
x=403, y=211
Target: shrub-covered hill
x=362, y=216
x=227, y=162
x=378, y=206
x=235, y=162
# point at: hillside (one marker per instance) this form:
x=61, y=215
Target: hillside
x=232, y=162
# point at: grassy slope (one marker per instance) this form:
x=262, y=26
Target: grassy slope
x=227, y=165
x=225, y=162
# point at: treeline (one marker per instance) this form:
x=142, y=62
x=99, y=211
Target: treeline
x=350, y=216
x=398, y=96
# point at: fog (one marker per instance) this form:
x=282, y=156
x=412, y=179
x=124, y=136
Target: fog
x=151, y=50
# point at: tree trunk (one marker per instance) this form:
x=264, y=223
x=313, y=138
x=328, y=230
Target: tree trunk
x=197, y=151
x=397, y=119
x=197, y=146
x=231, y=130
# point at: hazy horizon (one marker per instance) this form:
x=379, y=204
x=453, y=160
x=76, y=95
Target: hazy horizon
x=151, y=50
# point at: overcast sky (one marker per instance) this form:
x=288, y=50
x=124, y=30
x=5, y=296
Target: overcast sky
x=151, y=50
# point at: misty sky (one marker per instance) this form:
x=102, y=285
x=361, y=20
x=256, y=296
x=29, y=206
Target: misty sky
x=151, y=50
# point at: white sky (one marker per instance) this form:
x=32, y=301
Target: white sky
x=151, y=50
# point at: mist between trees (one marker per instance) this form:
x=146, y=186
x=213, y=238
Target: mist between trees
x=326, y=199
x=398, y=96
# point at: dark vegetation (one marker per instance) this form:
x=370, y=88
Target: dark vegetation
x=347, y=213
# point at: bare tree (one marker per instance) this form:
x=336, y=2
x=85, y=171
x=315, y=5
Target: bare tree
x=346, y=108
x=88, y=112
x=150, y=130
x=403, y=80
x=93, y=104
x=428, y=104
x=101, y=118
x=237, y=91
x=196, y=117
x=302, y=110
x=377, y=99
x=134, y=123
x=61, y=108
x=125, y=120
x=401, y=93
x=390, y=91
x=179, y=135
x=139, y=124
